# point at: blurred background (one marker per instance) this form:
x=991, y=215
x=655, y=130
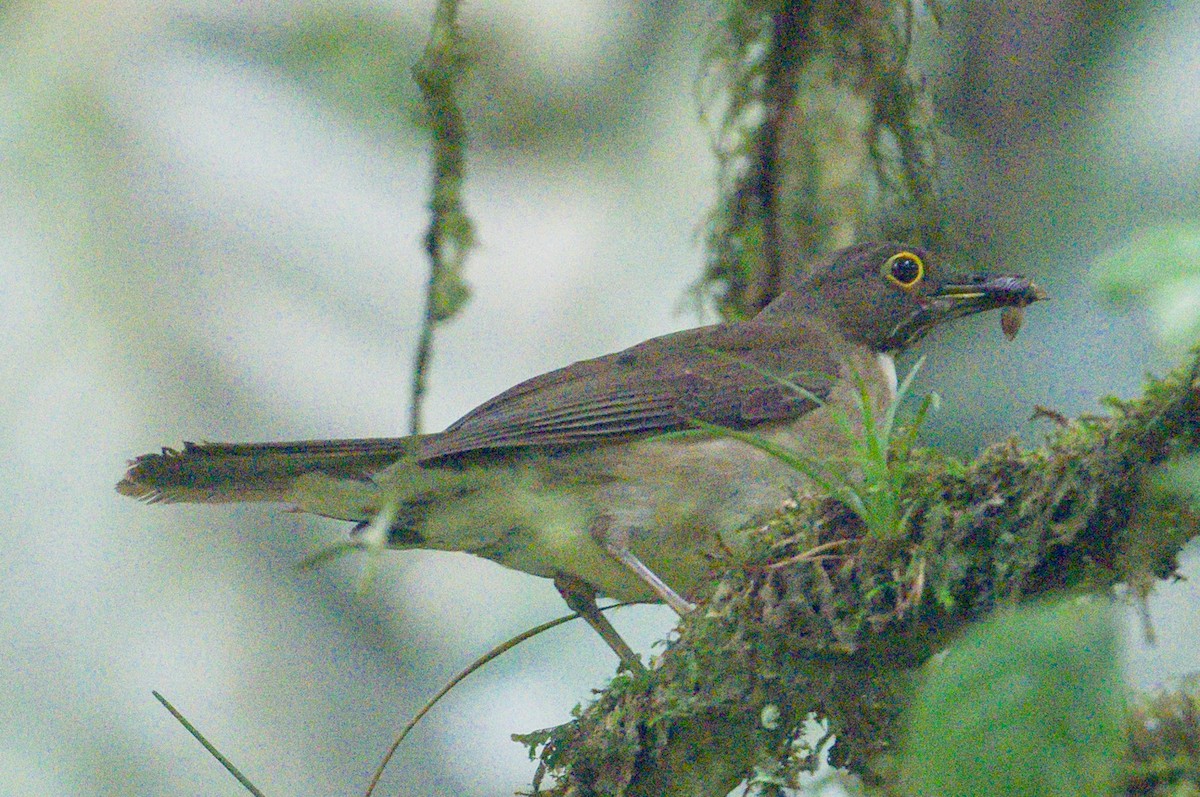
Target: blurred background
x=212, y=226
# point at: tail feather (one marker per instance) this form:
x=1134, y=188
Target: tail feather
x=224, y=472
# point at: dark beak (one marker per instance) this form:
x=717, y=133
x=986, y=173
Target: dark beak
x=966, y=296
x=979, y=294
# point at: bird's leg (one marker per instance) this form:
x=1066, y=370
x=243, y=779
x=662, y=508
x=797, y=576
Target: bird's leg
x=672, y=598
x=615, y=539
x=581, y=599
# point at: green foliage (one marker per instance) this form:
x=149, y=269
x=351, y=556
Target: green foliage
x=353, y=58
x=1164, y=742
x=731, y=101
x=1028, y=703
x=870, y=479
x=1160, y=269
x=439, y=73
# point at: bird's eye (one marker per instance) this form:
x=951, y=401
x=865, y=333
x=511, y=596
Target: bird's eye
x=904, y=269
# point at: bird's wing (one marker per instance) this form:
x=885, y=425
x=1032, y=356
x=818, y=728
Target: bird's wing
x=726, y=374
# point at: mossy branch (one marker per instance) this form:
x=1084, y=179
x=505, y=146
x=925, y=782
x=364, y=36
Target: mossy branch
x=814, y=628
x=450, y=234
x=822, y=131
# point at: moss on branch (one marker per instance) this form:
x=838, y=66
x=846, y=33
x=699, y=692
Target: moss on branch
x=827, y=623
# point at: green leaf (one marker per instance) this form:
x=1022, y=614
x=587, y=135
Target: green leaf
x=1028, y=703
x=1160, y=269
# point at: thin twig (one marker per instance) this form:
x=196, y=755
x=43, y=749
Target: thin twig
x=816, y=553
x=214, y=752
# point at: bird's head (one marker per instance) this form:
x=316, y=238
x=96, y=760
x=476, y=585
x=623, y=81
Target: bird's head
x=888, y=295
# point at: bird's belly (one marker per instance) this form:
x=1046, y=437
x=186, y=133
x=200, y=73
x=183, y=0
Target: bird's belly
x=683, y=504
x=678, y=503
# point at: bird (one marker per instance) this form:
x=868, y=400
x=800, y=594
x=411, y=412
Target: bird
x=594, y=474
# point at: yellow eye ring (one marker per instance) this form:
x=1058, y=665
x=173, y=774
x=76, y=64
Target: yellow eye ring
x=904, y=269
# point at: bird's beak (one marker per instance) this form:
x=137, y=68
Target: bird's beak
x=967, y=296
x=979, y=294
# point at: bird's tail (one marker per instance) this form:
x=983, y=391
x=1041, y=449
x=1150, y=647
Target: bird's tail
x=224, y=472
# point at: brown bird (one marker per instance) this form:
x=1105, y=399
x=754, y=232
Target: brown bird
x=568, y=475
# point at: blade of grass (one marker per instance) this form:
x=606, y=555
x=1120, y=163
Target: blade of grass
x=879, y=459
x=328, y=554
x=778, y=379
x=213, y=751
x=805, y=465
x=495, y=652
x=828, y=481
x=905, y=443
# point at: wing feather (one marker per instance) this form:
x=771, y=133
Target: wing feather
x=725, y=374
